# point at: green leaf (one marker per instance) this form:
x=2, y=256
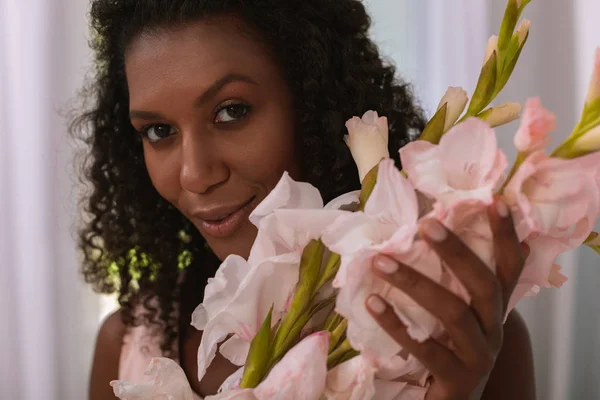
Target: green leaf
x=509, y=67
x=310, y=265
x=434, y=130
x=335, y=356
x=509, y=22
x=332, y=321
x=484, y=92
x=368, y=185
x=337, y=334
x=258, y=355
x=591, y=114
x=592, y=236
x=294, y=334
x=329, y=271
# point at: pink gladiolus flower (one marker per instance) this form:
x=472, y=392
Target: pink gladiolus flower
x=387, y=226
x=552, y=196
x=359, y=379
x=536, y=124
x=466, y=165
x=300, y=374
x=555, y=203
x=247, y=294
x=291, y=216
x=287, y=194
x=170, y=382
x=238, y=299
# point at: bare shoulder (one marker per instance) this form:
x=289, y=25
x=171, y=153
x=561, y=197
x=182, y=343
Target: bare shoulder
x=105, y=366
x=513, y=375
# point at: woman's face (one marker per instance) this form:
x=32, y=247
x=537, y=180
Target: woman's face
x=218, y=124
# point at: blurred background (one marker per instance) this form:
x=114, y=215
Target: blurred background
x=49, y=318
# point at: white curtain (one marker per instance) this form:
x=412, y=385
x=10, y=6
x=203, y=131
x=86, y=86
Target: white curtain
x=48, y=318
x=440, y=43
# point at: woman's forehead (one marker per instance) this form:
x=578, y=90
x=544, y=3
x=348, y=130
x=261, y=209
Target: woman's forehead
x=197, y=54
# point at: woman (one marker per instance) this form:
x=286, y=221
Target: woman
x=200, y=106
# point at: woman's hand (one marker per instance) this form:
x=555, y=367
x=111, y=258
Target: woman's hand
x=461, y=370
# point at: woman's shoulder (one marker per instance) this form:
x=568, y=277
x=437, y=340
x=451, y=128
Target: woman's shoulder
x=105, y=366
x=112, y=329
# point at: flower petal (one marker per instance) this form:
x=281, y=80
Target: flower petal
x=233, y=381
x=422, y=162
x=169, y=382
x=300, y=374
x=471, y=157
x=347, y=202
x=537, y=269
x=220, y=290
x=289, y=231
x=393, y=198
x=287, y=194
x=536, y=125
x=267, y=284
x=235, y=349
x=554, y=194
x=351, y=380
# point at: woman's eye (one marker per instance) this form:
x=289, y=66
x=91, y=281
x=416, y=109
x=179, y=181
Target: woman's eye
x=231, y=113
x=157, y=132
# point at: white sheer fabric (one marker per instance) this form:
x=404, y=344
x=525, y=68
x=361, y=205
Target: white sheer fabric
x=48, y=317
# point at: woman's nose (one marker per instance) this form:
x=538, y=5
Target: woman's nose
x=202, y=167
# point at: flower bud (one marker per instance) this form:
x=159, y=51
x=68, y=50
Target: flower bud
x=587, y=143
x=593, y=239
x=492, y=46
x=593, y=93
x=456, y=99
x=522, y=31
x=593, y=242
x=486, y=84
x=368, y=141
x=502, y=114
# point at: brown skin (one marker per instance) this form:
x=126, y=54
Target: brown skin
x=204, y=161
x=477, y=333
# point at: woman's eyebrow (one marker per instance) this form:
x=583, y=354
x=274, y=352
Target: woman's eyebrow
x=220, y=84
x=212, y=91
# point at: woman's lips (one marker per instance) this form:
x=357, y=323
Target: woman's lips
x=227, y=225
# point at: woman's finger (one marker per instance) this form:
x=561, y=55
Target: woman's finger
x=435, y=357
x=478, y=279
x=508, y=250
x=456, y=316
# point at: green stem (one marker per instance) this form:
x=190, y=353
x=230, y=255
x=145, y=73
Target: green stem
x=520, y=158
x=338, y=353
x=329, y=271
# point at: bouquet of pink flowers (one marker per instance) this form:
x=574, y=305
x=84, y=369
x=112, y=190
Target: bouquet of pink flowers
x=293, y=315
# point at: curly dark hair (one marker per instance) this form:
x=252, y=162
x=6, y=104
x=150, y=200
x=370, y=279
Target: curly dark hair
x=135, y=242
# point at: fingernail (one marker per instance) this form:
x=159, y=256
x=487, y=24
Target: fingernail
x=376, y=305
x=502, y=208
x=434, y=230
x=386, y=265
